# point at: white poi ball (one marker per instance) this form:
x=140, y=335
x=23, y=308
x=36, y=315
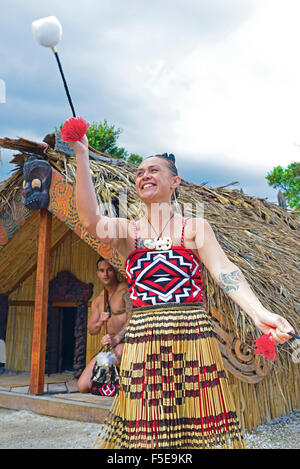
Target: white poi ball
x=47, y=31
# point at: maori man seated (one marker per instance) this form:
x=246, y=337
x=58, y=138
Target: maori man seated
x=115, y=317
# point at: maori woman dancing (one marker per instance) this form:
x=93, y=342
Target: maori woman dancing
x=174, y=391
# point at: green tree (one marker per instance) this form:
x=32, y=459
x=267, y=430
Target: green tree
x=103, y=137
x=288, y=180
x=134, y=159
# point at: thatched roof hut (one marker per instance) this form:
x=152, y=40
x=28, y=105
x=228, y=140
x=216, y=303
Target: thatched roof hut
x=260, y=237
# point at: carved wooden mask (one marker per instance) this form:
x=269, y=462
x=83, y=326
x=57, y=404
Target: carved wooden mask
x=37, y=179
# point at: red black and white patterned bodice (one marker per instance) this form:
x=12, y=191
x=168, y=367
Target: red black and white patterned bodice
x=158, y=277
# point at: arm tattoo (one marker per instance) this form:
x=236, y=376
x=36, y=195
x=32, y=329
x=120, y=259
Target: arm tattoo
x=231, y=281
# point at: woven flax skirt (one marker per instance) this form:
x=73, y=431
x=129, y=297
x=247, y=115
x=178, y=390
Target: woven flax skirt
x=173, y=390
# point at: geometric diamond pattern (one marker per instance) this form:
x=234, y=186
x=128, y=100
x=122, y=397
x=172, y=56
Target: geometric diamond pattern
x=157, y=277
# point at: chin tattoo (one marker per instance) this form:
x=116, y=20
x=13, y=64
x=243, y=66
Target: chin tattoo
x=37, y=179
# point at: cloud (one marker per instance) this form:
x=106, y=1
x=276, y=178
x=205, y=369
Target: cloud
x=108, y=50
x=244, y=97
x=216, y=82
x=251, y=180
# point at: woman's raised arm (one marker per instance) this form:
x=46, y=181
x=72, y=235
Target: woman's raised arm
x=106, y=229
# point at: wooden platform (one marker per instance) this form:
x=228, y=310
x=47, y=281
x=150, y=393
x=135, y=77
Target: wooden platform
x=67, y=404
x=17, y=380
x=53, y=384
x=81, y=407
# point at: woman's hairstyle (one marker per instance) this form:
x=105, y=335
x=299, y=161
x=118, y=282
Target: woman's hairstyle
x=170, y=160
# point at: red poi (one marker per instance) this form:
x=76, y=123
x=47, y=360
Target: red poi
x=74, y=129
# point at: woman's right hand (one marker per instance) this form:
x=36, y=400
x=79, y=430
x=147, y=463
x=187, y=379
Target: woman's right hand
x=81, y=146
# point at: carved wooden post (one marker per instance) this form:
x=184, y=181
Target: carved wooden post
x=80, y=338
x=41, y=305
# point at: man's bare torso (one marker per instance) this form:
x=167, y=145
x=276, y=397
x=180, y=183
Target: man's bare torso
x=118, y=313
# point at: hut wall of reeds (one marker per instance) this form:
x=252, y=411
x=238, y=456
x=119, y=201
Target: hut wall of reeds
x=261, y=238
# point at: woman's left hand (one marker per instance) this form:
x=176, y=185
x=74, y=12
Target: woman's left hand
x=272, y=323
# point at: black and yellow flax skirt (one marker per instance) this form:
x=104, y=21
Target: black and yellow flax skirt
x=173, y=388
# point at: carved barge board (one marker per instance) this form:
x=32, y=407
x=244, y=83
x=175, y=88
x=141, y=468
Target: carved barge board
x=12, y=219
x=62, y=205
x=238, y=357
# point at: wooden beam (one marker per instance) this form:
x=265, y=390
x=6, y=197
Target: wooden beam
x=38, y=354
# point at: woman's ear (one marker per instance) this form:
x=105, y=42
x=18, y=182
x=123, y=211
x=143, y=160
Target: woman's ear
x=176, y=182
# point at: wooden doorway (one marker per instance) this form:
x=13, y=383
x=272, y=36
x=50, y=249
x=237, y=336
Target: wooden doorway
x=60, y=339
x=68, y=339
x=67, y=320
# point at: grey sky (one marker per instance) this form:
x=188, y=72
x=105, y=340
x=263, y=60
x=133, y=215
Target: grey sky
x=173, y=74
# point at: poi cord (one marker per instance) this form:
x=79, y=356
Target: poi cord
x=294, y=335
x=64, y=80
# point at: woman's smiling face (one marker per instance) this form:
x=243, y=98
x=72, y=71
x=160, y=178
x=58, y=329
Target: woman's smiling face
x=154, y=182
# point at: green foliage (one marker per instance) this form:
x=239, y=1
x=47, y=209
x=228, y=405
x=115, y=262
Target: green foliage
x=135, y=159
x=103, y=137
x=288, y=180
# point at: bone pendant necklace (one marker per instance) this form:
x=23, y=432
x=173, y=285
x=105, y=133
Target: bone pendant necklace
x=159, y=244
